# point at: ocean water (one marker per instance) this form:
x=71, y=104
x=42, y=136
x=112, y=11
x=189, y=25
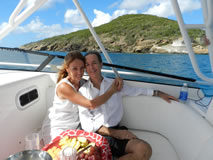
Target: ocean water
x=172, y=64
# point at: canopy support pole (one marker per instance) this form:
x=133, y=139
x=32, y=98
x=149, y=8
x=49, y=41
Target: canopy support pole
x=187, y=40
x=16, y=17
x=95, y=35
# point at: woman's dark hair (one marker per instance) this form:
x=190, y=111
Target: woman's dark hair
x=95, y=53
x=69, y=58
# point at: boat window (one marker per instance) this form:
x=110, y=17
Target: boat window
x=27, y=97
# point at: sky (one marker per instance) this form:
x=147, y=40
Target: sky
x=57, y=17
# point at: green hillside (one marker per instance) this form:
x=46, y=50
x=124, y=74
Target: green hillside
x=124, y=34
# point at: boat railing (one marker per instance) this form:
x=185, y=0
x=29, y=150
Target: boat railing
x=207, y=26
x=132, y=72
x=19, y=15
x=48, y=57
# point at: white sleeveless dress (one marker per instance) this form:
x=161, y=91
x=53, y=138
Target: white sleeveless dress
x=61, y=116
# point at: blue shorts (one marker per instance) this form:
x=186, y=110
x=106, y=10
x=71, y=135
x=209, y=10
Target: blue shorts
x=117, y=146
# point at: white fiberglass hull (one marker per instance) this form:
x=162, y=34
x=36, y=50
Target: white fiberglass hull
x=174, y=130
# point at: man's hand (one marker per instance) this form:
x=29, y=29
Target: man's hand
x=119, y=83
x=165, y=96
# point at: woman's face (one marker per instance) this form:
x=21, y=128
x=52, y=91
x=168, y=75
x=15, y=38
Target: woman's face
x=75, y=70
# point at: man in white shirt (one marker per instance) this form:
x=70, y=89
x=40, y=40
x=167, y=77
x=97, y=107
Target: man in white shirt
x=106, y=118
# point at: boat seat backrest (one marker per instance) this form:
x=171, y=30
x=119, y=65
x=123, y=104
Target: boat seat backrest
x=175, y=121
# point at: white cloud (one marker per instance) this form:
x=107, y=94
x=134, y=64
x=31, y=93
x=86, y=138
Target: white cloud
x=121, y=12
x=164, y=8
x=43, y=31
x=161, y=8
x=73, y=17
x=101, y=18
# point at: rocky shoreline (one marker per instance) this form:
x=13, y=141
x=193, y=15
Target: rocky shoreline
x=140, y=46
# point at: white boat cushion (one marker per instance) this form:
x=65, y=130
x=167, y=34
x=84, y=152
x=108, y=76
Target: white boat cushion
x=161, y=148
x=186, y=130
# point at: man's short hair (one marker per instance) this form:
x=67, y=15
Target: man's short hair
x=95, y=53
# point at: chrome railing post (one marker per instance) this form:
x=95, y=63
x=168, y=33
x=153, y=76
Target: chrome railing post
x=16, y=17
x=187, y=41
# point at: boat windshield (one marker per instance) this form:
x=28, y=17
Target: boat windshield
x=17, y=59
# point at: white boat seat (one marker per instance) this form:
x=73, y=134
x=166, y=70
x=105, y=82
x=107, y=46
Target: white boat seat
x=161, y=148
x=175, y=122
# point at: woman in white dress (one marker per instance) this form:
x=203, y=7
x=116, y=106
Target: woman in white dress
x=63, y=114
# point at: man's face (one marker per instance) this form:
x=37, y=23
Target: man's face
x=93, y=66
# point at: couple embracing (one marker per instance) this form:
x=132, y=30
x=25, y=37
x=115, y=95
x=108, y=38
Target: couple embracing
x=96, y=104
